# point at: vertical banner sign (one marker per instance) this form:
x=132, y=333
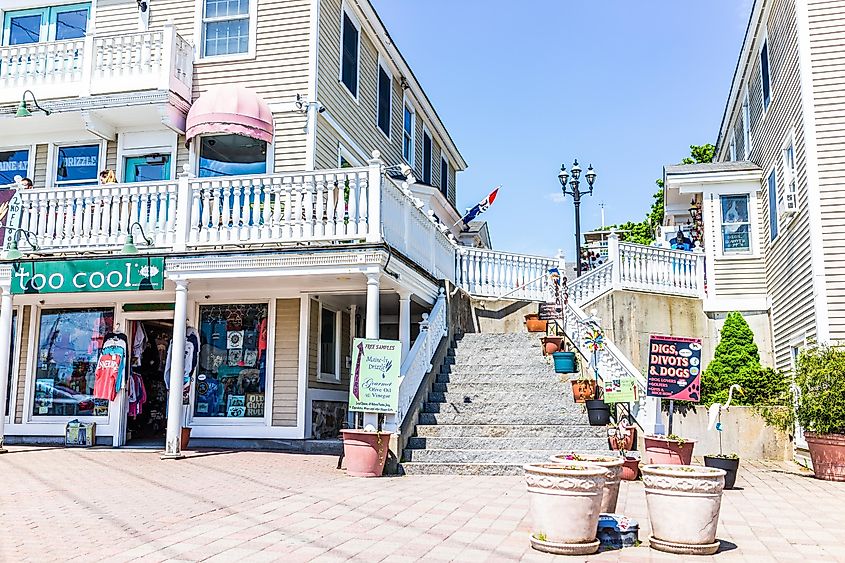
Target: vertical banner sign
x=6, y=197
x=674, y=368
x=374, y=381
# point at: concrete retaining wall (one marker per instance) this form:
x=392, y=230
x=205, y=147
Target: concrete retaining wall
x=744, y=433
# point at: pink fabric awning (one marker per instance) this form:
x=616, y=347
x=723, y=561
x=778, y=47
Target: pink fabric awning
x=230, y=109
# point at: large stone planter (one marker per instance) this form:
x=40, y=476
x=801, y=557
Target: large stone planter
x=683, y=507
x=613, y=464
x=565, y=502
x=828, y=454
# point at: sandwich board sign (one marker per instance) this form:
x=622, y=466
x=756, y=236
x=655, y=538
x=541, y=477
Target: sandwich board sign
x=374, y=380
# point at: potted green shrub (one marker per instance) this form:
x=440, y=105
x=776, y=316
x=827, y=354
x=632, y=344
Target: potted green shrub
x=820, y=408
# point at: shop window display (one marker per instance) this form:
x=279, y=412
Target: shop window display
x=11, y=361
x=233, y=357
x=69, y=344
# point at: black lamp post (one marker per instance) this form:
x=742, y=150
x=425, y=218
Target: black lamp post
x=576, y=193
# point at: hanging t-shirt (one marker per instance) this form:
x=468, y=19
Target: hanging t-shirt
x=108, y=368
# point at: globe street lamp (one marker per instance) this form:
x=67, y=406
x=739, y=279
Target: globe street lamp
x=576, y=193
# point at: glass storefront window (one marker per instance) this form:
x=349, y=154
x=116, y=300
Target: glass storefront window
x=77, y=165
x=233, y=355
x=152, y=168
x=69, y=344
x=232, y=155
x=13, y=163
x=11, y=361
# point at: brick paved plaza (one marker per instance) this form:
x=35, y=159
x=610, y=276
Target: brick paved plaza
x=104, y=504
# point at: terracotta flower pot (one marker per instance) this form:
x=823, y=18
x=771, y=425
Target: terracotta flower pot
x=583, y=389
x=365, y=452
x=827, y=451
x=613, y=464
x=565, y=501
x=683, y=507
x=534, y=324
x=664, y=450
x=552, y=344
x=630, y=469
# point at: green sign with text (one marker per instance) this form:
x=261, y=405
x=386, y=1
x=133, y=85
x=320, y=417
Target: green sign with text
x=132, y=273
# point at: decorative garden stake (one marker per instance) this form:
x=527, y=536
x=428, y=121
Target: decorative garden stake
x=730, y=462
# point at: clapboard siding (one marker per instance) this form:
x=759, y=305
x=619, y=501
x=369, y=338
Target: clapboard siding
x=788, y=262
x=117, y=16
x=20, y=393
x=39, y=176
x=827, y=54
x=358, y=118
x=313, y=342
x=286, y=363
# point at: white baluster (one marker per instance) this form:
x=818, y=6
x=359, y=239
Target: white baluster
x=363, y=187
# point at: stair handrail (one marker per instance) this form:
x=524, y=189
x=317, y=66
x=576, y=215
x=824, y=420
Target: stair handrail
x=600, y=278
x=433, y=328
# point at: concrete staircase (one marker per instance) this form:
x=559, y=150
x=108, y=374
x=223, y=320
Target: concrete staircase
x=497, y=404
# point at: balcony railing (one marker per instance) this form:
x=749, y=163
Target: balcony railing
x=98, y=64
x=324, y=207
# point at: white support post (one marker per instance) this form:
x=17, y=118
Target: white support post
x=177, y=373
x=5, y=349
x=374, y=198
x=405, y=322
x=168, y=55
x=184, y=209
x=89, y=58
x=699, y=276
x=373, y=319
x=614, y=257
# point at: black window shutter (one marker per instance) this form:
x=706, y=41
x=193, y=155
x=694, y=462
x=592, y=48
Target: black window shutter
x=426, y=159
x=349, y=71
x=383, y=101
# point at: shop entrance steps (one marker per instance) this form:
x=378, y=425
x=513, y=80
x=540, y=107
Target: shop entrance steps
x=497, y=404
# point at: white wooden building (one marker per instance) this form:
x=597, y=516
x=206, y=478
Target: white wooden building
x=257, y=143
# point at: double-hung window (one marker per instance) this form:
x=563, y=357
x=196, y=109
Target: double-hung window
x=385, y=100
x=789, y=197
x=225, y=27
x=746, y=128
x=773, y=204
x=350, y=43
x=408, y=135
x=50, y=23
x=426, y=168
x=444, y=176
x=329, y=350
x=765, y=78
x=736, y=224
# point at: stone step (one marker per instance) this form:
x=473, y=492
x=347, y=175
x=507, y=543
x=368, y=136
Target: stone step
x=479, y=456
x=530, y=408
x=500, y=337
x=558, y=417
x=581, y=429
x=517, y=358
x=479, y=469
x=497, y=370
x=589, y=442
x=544, y=395
x=500, y=378
x=488, y=387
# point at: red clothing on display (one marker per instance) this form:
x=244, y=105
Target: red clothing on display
x=262, y=337
x=106, y=376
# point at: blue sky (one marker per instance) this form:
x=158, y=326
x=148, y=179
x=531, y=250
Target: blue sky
x=525, y=86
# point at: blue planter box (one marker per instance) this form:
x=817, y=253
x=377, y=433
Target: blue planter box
x=565, y=362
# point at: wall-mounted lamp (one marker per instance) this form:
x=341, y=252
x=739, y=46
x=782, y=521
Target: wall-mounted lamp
x=142, y=6
x=23, y=110
x=129, y=246
x=14, y=253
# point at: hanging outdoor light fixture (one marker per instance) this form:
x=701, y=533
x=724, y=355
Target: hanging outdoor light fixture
x=23, y=109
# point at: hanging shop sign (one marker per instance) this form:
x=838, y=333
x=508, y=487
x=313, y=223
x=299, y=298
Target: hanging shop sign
x=87, y=276
x=674, y=368
x=374, y=381
x=620, y=390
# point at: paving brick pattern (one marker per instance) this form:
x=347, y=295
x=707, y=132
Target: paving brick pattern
x=110, y=505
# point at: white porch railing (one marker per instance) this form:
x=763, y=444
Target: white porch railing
x=650, y=268
x=433, y=329
x=98, y=64
x=323, y=207
x=491, y=273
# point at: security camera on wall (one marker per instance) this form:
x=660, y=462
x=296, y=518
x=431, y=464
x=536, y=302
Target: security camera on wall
x=143, y=15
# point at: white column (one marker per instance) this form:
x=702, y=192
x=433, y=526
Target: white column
x=373, y=283
x=372, y=331
x=5, y=349
x=177, y=373
x=405, y=322
x=615, y=258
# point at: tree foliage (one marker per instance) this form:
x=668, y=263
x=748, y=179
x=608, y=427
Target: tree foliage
x=737, y=362
x=642, y=232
